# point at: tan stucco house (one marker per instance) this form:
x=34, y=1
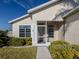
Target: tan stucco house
x=45, y=24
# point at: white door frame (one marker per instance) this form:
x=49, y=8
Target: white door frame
x=45, y=36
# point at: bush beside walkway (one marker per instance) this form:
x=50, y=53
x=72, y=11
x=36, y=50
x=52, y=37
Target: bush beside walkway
x=64, y=50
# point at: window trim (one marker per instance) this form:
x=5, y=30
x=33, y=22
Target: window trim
x=25, y=30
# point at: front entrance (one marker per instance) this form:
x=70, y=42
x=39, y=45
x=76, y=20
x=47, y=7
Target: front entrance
x=45, y=30
x=41, y=30
x=48, y=31
x=41, y=34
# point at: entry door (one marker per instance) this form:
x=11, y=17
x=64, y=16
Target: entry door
x=41, y=34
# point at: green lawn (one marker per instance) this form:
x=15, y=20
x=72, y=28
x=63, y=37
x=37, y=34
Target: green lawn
x=18, y=53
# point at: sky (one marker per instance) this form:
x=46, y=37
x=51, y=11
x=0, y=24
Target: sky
x=11, y=9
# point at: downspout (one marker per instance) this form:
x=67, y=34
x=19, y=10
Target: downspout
x=64, y=29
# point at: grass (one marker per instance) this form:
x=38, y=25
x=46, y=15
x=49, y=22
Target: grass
x=18, y=53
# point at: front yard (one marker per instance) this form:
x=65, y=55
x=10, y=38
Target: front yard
x=8, y=52
x=18, y=53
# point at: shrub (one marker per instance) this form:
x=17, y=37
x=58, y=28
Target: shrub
x=60, y=42
x=1, y=43
x=76, y=49
x=4, y=38
x=20, y=41
x=61, y=50
x=17, y=42
x=28, y=41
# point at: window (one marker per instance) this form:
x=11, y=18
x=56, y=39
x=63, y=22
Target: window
x=50, y=31
x=25, y=31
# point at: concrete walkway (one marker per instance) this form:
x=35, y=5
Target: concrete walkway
x=43, y=53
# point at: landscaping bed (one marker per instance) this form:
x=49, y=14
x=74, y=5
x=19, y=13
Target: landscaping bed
x=18, y=53
x=63, y=50
x=20, y=41
x=14, y=41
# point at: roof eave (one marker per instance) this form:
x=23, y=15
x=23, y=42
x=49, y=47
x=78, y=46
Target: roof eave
x=71, y=12
x=34, y=9
x=14, y=20
x=42, y=6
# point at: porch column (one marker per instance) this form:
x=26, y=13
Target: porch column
x=34, y=34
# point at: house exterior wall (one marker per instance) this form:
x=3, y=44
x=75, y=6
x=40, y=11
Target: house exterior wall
x=72, y=29
x=9, y=34
x=15, y=26
x=25, y=21
x=61, y=32
x=49, y=13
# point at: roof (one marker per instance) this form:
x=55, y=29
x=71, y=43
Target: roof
x=42, y=6
x=73, y=11
x=34, y=9
x=14, y=20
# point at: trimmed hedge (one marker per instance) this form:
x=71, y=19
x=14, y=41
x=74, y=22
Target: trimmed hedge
x=20, y=41
x=63, y=50
x=28, y=41
x=16, y=42
x=60, y=43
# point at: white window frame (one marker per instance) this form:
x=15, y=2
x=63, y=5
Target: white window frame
x=25, y=29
